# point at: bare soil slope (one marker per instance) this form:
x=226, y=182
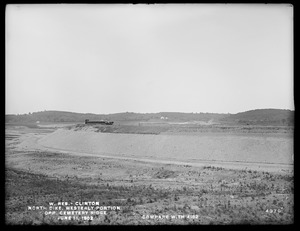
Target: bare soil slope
x=206, y=146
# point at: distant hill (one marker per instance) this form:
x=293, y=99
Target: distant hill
x=61, y=116
x=259, y=116
x=262, y=117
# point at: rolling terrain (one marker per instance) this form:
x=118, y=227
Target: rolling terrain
x=253, y=117
x=159, y=171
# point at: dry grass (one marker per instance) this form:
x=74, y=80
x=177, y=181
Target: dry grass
x=216, y=195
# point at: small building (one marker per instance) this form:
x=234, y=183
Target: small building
x=104, y=122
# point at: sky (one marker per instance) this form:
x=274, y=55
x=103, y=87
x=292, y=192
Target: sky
x=219, y=58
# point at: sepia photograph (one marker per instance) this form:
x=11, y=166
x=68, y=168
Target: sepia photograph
x=149, y=114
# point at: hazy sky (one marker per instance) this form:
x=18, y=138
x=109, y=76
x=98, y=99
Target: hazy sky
x=149, y=58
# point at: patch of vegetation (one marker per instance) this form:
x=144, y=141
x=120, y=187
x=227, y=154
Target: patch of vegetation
x=253, y=117
x=221, y=197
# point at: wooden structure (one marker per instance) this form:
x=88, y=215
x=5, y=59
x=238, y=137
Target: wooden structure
x=104, y=122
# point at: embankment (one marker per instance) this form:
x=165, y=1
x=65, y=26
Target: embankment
x=220, y=147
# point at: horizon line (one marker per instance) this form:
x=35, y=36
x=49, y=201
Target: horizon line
x=151, y=112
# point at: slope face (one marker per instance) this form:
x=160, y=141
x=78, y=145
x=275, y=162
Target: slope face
x=221, y=147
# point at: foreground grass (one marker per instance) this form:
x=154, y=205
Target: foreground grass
x=215, y=201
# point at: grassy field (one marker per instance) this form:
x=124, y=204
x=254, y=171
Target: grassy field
x=215, y=195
